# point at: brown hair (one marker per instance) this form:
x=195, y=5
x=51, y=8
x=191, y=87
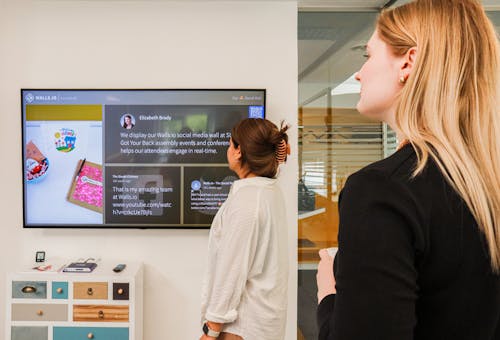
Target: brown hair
x=259, y=140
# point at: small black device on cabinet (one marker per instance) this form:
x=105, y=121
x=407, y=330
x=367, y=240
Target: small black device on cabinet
x=119, y=267
x=40, y=256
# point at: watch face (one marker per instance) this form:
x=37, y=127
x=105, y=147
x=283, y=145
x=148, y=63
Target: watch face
x=210, y=332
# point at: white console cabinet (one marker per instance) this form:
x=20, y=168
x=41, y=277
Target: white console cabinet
x=101, y=305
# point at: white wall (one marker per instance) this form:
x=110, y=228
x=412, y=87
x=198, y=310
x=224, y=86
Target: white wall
x=141, y=44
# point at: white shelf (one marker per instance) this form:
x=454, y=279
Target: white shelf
x=131, y=277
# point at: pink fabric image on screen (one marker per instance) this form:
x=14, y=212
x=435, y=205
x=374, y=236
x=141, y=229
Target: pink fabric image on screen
x=86, y=188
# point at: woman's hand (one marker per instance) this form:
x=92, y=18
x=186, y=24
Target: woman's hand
x=324, y=278
x=206, y=337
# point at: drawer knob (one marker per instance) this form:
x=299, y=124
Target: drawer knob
x=120, y=291
x=90, y=336
x=39, y=312
x=28, y=289
x=90, y=291
x=101, y=314
x=59, y=290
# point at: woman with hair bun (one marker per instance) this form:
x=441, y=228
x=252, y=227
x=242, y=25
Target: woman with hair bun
x=245, y=289
x=419, y=232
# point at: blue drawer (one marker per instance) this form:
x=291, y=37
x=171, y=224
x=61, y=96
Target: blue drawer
x=29, y=289
x=29, y=333
x=83, y=333
x=59, y=290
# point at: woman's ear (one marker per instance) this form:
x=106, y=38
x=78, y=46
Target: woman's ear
x=237, y=153
x=409, y=60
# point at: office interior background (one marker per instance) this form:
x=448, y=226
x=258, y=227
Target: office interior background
x=303, y=52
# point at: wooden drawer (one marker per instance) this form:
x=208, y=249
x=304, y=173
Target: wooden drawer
x=97, y=313
x=39, y=312
x=95, y=333
x=29, y=333
x=29, y=289
x=59, y=290
x=90, y=290
x=120, y=291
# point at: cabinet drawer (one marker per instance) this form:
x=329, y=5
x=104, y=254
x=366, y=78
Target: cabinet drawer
x=29, y=333
x=104, y=313
x=90, y=290
x=59, y=290
x=120, y=291
x=85, y=333
x=39, y=312
x=29, y=289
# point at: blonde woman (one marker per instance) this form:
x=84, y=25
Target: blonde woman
x=419, y=239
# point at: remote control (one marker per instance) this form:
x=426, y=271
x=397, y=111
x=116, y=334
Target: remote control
x=119, y=268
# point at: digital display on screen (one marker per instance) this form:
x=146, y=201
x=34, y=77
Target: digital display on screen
x=129, y=158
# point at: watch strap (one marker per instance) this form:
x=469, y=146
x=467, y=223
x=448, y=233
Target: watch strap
x=210, y=332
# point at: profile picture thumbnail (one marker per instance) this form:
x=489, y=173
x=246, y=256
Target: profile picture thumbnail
x=127, y=121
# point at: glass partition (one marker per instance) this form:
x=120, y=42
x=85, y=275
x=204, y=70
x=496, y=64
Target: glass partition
x=334, y=139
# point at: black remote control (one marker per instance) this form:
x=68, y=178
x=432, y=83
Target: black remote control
x=119, y=268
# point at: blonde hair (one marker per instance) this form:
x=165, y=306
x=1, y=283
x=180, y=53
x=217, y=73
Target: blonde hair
x=449, y=106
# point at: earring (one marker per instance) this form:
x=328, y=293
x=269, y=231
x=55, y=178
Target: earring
x=402, y=80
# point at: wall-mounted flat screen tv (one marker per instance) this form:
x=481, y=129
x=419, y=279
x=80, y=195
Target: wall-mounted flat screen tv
x=129, y=158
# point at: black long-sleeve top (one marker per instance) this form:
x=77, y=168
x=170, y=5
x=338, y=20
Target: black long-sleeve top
x=412, y=263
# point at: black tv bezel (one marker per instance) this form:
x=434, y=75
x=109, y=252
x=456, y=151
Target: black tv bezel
x=104, y=226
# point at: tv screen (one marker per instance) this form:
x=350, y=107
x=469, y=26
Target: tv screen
x=129, y=158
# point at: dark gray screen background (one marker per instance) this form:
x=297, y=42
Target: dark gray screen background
x=184, y=119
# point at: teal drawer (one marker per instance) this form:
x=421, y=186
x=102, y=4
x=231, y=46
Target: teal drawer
x=29, y=333
x=29, y=289
x=85, y=333
x=59, y=290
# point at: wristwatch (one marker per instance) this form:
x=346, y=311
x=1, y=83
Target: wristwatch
x=210, y=332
